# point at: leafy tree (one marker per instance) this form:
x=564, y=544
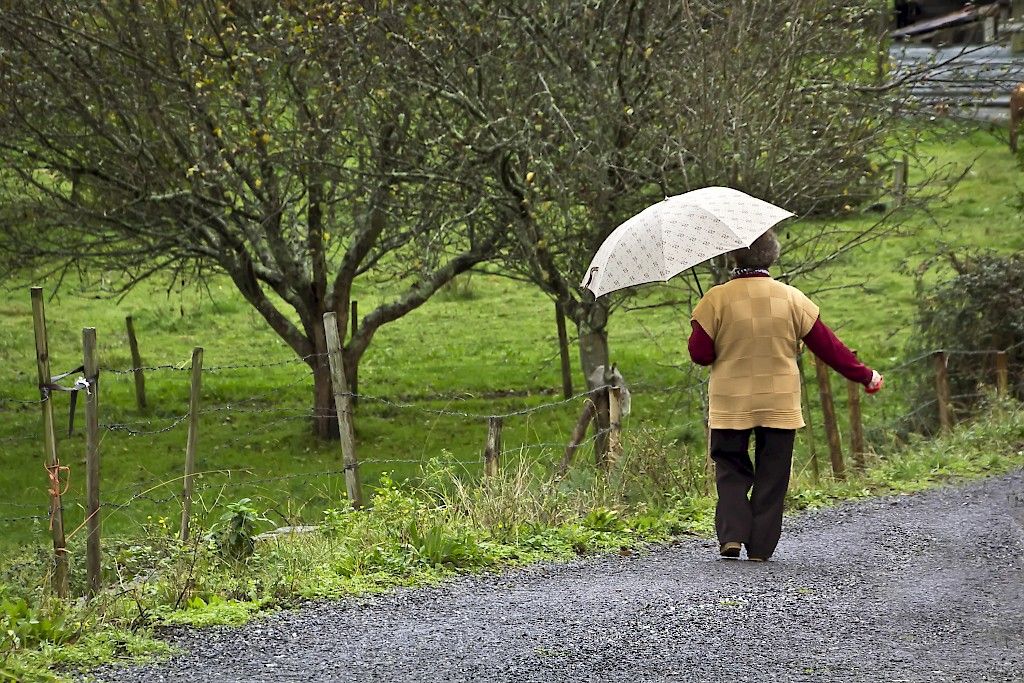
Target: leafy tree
x=271, y=142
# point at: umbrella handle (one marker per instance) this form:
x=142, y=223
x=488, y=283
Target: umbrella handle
x=696, y=279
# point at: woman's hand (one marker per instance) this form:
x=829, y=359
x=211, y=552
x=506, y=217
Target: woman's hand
x=876, y=383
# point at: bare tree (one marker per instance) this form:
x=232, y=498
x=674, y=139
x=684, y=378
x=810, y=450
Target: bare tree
x=583, y=112
x=272, y=142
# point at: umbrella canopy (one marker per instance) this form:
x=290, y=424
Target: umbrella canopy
x=677, y=233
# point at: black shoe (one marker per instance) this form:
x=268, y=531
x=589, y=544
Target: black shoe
x=730, y=550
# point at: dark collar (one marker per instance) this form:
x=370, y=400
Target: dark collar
x=750, y=272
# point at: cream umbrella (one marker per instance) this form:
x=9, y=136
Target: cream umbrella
x=677, y=233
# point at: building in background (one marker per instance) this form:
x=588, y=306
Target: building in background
x=946, y=22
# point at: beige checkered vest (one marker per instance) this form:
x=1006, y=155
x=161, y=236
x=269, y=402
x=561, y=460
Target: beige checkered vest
x=757, y=324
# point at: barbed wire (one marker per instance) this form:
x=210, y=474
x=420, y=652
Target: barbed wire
x=951, y=352
x=201, y=486
x=513, y=450
x=476, y=416
x=266, y=427
x=244, y=406
x=907, y=363
x=273, y=393
x=20, y=401
x=256, y=483
x=982, y=352
x=186, y=365
x=14, y=504
x=12, y=520
x=131, y=431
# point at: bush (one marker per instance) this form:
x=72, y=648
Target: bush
x=235, y=535
x=977, y=307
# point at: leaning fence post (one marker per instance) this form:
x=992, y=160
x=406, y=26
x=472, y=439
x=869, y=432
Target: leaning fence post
x=578, y=432
x=1002, y=375
x=492, y=449
x=91, y=365
x=942, y=392
x=140, y=380
x=710, y=473
x=811, y=444
x=828, y=411
x=60, y=552
x=343, y=406
x=601, y=426
x=856, y=425
x=563, y=351
x=614, y=426
x=190, y=444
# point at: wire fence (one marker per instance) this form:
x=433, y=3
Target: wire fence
x=242, y=440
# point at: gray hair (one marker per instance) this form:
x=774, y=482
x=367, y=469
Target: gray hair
x=761, y=254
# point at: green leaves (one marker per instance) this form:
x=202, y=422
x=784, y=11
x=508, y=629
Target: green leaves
x=235, y=535
x=24, y=625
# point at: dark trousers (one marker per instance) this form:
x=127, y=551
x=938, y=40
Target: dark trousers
x=753, y=518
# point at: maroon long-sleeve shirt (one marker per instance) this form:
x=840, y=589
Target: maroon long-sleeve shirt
x=820, y=340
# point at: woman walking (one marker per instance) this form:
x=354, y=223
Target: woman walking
x=748, y=330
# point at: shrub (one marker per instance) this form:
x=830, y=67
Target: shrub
x=976, y=307
x=235, y=535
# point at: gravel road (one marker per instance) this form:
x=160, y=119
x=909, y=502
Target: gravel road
x=928, y=587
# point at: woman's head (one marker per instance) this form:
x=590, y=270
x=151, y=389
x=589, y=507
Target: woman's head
x=761, y=254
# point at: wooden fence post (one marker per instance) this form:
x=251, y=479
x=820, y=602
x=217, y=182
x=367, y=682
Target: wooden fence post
x=811, y=444
x=1002, y=375
x=942, y=393
x=492, y=449
x=853, y=390
x=899, y=180
x=578, y=432
x=353, y=321
x=190, y=444
x=140, y=380
x=91, y=365
x=614, y=426
x=828, y=411
x=710, y=473
x=343, y=406
x=602, y=422
x=563, y=351
x=60, y=553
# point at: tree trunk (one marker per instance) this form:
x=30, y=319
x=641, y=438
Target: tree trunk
x=352, y=376
x=592, y=324
x=325, y=419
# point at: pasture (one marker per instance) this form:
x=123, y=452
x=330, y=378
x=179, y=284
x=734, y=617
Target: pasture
x=428, y=382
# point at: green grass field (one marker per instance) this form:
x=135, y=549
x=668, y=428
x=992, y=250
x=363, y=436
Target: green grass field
x=457, y=355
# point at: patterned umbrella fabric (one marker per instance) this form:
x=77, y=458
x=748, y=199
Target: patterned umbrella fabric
x=677, y=233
